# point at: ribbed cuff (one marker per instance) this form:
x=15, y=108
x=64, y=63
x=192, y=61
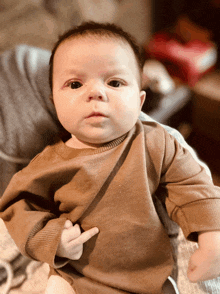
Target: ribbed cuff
x=198, y=216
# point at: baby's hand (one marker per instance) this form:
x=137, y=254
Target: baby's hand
x=71, y=241
x=204, y=264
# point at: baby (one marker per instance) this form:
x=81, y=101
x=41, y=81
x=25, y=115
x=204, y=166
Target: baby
x=86, y=205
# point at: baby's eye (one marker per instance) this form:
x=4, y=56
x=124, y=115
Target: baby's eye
x=75, y=85
x=115, y=84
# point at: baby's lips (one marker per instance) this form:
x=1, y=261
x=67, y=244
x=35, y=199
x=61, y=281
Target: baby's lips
x=94, y=113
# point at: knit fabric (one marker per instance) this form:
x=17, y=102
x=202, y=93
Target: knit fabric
x=111, y=188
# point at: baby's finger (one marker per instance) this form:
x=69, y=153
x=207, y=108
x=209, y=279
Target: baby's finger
x=71, y=233
x=74, y=232
x=85, y=236
x=68, y=224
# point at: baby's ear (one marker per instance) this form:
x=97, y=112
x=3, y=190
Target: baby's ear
x=142, y=97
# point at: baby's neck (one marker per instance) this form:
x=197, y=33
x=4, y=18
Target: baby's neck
x=77, y=144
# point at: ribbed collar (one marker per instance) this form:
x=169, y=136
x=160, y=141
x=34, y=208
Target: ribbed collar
x=67, y=152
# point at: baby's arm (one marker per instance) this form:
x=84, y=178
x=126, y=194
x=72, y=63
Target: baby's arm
x=71, y=241
x=204, y=263
x=194, y=203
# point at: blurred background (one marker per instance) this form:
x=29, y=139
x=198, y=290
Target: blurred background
x=39, y=22
x=180, y=41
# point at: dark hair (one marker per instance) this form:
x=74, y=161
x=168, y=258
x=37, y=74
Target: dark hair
x=97, y=29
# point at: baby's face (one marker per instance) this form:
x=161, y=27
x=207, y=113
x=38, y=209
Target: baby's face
x=96, y=89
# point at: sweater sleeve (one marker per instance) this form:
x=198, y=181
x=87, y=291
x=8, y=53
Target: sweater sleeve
x=192, y=199
x=32, y=218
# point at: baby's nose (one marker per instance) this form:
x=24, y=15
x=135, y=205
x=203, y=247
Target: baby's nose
x=95, y=97
x=97, y=93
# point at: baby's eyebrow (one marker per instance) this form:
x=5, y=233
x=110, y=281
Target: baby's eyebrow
x=117, y=71
x=110, y=72
x=74, y=72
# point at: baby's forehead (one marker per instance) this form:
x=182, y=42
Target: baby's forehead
x=97, y=39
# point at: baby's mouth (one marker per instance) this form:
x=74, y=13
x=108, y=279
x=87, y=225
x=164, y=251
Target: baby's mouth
x=93, y=114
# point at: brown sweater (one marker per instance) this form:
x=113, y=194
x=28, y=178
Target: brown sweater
x=111, y=187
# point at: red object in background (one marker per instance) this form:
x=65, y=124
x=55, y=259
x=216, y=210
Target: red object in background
x=187, y=61
x=216, y=3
